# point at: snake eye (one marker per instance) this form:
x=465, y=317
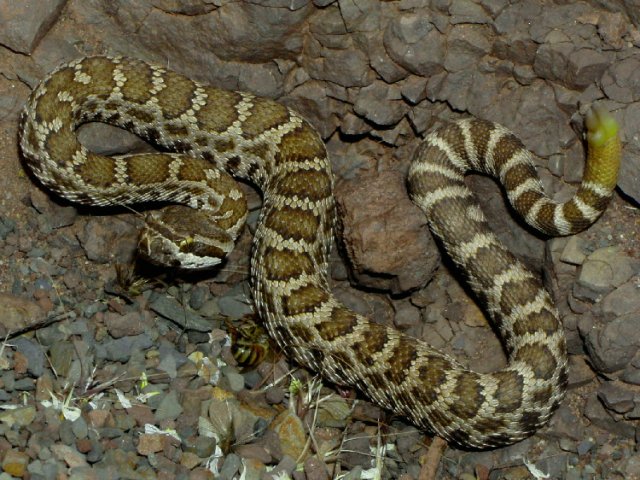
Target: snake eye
x=186, y=245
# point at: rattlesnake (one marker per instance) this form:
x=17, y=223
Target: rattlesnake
x=211, y=131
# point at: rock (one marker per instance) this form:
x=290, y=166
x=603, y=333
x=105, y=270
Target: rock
x=573, y=252
x=169, y=408
x=575, y=68
x=620, y=82
x=415, y=44
x=149, y=443
x=17, y=314
x=315, y=469
x=381, y=104
x=121, y=349
x=129, y=324
x=15, y=463
x=230, y=466
x=616, y=397
x=346, y=67
x=69, y=456
x=599, y=416
x=629, y=176
x=171, y=309
x=108, y=240
x=613, y=346
x=623, y=300
x=290, y=430
x=579, y=371
x=604, y=270
x=631, y=373
x=34, y=354
x=20, y=417
x=61, y=356
x=384, y=66
x=27, y=23
x=53, y=215
x=466, y=45
x=389, y=219
x=467, y=11
x=254, y=451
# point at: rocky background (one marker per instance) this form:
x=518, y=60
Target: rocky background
x=127, y=372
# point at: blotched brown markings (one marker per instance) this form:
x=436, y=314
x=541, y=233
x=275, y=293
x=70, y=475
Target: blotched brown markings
x=33, y=140
x=202, y=249
x=459, y=228
x=219, y=111
x=149, y=168
x=452, y=135
x=543, y=321
x=530, y=421
x=193, y=169
x=305, y=299
x=403, y=356
x=487, y=263
x=176, y=129
x=260, y=150
x=178, y=146
x=505, y=148
x=114, y=118
x=542, y=396
x=236, y=209
x=496, y=439
x=137, y=88
x=517, y=175
x=563, y=378
x=61, y=145
x=101, y=83
x=151, y=135
x=223, y=145
x=302, y=333
x=593, y=199
x=311, y=184
x=97, y=171
x=49, y=105
x=431, y=374
x=469, y=392
x=509, y=392
x=488, y=424
x=519, y=292
x=538, y=356
x=264, y=115
x=430, y=181
x=526, y=200
x=545, y=218
x=233, y=163
x=251, y=172
x=293, y=223
x=341, y=323
x=375, y=338
x=87, y=112
x=140, y=114
x=201, y=140
x=300, y=145
x=480, y=131
x=175, y=99
x=281, y=265
x=343, y=361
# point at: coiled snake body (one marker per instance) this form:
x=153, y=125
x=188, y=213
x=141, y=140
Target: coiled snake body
x=212, y=131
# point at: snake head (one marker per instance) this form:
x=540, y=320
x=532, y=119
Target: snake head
x=168, y=239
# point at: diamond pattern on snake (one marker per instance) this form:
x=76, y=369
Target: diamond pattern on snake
x=215, y=135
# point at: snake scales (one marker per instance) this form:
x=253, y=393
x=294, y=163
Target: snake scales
x=211, y=131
